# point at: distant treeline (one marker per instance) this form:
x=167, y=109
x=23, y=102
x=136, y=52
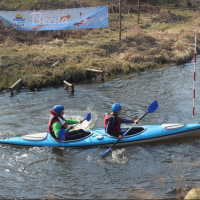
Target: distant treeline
x=113, y=4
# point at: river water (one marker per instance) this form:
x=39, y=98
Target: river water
x=147, y=171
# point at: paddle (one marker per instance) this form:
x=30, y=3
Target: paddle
x=151, y=109
x=63, y=132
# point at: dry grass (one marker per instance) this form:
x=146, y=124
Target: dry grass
x=193, y=194
x=164, y=37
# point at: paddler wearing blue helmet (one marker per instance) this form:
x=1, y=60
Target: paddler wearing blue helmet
x=112, y=123
x=57, y=122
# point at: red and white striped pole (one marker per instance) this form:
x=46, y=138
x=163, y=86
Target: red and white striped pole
x=195, y=54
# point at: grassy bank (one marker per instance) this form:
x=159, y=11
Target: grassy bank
x=161, y=37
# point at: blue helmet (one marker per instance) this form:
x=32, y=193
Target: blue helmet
x=58, y=109
x=116, y=107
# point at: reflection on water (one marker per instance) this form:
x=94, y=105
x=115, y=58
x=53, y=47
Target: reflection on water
x=160, y=170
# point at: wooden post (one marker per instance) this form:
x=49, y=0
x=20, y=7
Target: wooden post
x=138, y=11
x=13, y=86
x=98, y=71
x=95, y=70
x=102, y=76
x=70, y=85
x=55, y=64
x=120, y=20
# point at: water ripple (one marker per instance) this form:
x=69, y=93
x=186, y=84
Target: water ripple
x=161, y=170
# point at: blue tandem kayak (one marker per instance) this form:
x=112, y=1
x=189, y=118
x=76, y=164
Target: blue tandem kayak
x=98, y=137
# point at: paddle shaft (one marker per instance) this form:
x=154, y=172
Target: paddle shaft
x=88, y=117
x=71, y=127
x=127, y=131
x=75, y=125
x=62, y=132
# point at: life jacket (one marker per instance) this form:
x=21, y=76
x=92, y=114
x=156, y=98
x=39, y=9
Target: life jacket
x=117, y=123
x=55, y=118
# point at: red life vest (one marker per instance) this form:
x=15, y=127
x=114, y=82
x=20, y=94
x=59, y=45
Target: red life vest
x=117, y=123
x=52, y=121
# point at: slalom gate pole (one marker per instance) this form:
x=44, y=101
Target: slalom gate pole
x=195, y=54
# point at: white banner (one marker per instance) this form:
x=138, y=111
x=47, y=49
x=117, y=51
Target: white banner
x=62, y=19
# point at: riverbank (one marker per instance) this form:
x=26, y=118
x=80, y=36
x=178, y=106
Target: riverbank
x=163, y=37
